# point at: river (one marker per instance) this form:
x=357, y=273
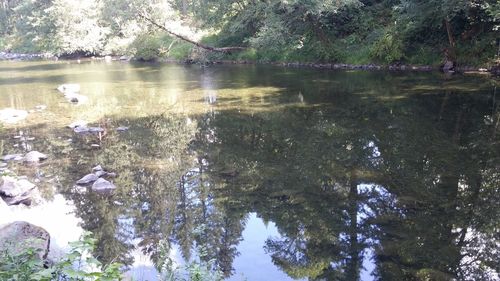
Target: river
x=267, y=173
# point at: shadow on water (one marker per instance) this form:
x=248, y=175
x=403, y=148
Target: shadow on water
x=338, y=170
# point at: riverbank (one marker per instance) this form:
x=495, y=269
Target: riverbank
x=495, y=70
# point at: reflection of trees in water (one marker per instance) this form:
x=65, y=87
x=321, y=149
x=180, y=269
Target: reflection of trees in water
x=335, y=179
x=432, y=217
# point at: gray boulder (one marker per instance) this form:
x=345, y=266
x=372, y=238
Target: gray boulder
x=16, y=191
x=103, y=186
x=87, y=179
x=17, y=237
x=97, y=168
x=34, y=156
x=69, y=88
x=12, y=157
x=448, y=66
x=100, y=173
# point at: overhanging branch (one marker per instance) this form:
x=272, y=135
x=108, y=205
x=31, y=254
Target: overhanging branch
x=226, y=50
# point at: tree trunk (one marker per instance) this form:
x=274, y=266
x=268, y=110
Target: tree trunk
x=354, y=251
x=226, y=50
x=451, y=40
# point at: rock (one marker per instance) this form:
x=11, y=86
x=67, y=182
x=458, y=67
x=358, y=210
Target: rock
x=102, y=185
x=100, y=173
x=122, y=129
x=17, y=237
x=34, y=156
x=108, y=58
x=16, y=191
x=495, y=70
x=97, y=168
x=12, y=157
x=41, y=107
x=87, y=179
x=10, y=115
x=79, y=123
x=448, y=66
x=76, y=98
x=69, y=88
x=96, y=129
x=124, y=58
x=81, y=130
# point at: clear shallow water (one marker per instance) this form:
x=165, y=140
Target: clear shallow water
x=275, y=173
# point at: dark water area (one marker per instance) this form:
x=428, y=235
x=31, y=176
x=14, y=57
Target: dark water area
x=272, y=173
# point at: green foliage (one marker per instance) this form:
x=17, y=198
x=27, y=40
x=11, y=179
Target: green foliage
x=150, y=47
x=389, y=48
x=351, y=31
x=76, y=265
x=146, y=47
x=19, y=266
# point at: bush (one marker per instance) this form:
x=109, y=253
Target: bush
x=146, y=47
x=78, y=264
x=388, y=48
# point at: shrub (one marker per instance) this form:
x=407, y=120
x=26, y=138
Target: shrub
x=388, y=48
x=77, y=265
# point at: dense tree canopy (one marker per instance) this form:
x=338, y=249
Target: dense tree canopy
x=353, y=31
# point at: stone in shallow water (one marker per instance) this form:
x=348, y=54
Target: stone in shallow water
x=81, y=130
x=34, y=156
x=15, y=191
x=87, y=179
x=78, y=123
x=96, y=129
x=100, y=173
x=10, y=115
x=102, y=185
x=76, y=98
x=41, y=107
x=97, y=168
x=69, y=88
x=19, y=236
x=12, y=157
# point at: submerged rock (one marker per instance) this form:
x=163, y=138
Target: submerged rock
x=79, y=123
x=87, y=179
x=40, y=107
x=12, y=157
x=76, y=98
x=85, y=129
x=81, y=129
x=69, y=88
x=102, y=185
x=34, y=156
x=11, y=115
x=16, y=191
x=17, y=237
x=96, y=129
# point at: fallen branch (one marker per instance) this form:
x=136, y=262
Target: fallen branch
x=226, y=50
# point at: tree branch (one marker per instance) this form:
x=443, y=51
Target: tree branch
x=226, y=50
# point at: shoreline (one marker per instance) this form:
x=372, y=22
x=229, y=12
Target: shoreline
x=494, y=71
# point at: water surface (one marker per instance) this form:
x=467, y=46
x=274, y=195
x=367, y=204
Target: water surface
x=272, y=173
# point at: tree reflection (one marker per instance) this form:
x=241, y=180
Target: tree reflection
x=336, y=178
